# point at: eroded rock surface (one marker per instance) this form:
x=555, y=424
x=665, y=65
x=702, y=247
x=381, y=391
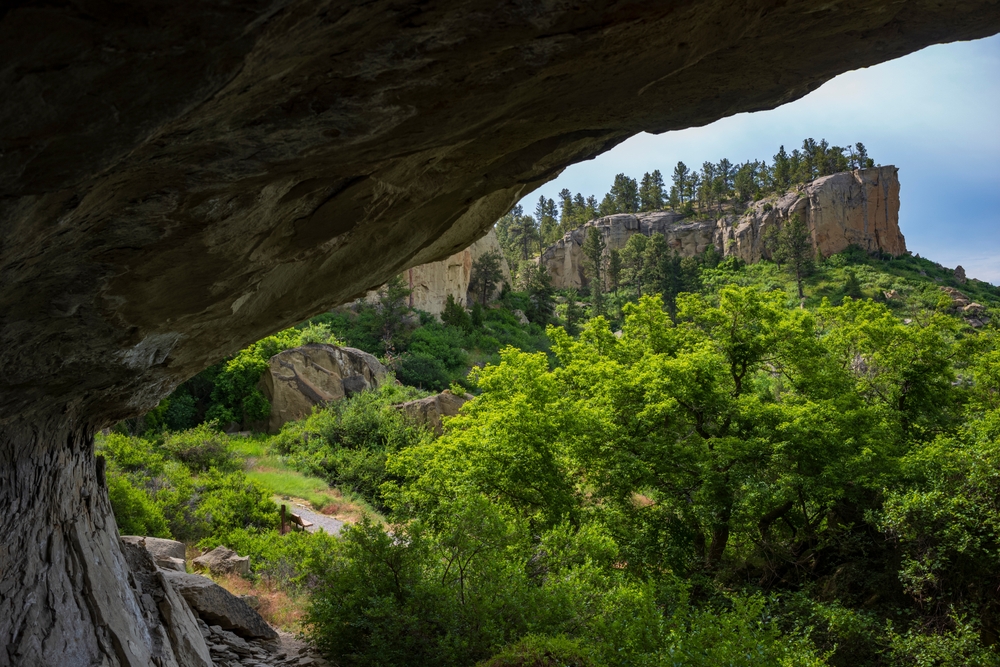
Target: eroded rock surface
x=851, y=208
x=431, y=284
x=222, y=560
x=858, y=208
x=316, y=374
x=217, y=606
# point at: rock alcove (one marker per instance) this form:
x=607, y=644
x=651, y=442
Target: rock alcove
x=180, y=178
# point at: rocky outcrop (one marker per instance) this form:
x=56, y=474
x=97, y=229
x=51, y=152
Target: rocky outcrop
x=431, y=284
x=167, y=554
x=217, y=606
x=564, y=259
x=858, y=208
x=169, y=619
x=222, y=560
x=429, y=411
x=179, y=180
x=315, y=374
x=851, y=208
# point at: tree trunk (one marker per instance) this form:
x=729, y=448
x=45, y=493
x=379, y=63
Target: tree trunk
x=65, y=594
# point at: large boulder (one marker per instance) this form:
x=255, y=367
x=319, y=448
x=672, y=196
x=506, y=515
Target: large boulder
x=429, y=411
x=217, y=606
x=222, y=560
x=167, y=554
x=315, y=374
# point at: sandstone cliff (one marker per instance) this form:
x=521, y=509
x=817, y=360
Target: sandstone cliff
x=434, y=282
x=851, y=208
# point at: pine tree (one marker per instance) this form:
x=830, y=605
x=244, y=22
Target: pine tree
x=548, y=227
x=651, y=191
x=633, y=261
x=680, y=179
x=593, y=253
x=652, y=259
x=614, y=270
x=625, y=194
x=782, y=170
x=795, y=243
x=485, y=276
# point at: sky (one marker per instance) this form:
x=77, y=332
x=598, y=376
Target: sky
x=935, y=114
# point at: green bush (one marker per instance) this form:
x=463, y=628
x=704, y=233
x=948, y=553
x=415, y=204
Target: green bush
x=135, y=512
x=231, y=501
x=540, y=651
x=347, y=443
x=423, y=370
x=202, y=448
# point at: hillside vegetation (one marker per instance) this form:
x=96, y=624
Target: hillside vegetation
x=713, y=473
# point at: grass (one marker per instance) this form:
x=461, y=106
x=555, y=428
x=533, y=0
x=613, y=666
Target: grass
x=281, y=608
x=273, y=472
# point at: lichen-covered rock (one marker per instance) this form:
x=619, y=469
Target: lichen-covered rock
x=315, y=374
x=217, y=606
x=222, y=560
x=429, y=411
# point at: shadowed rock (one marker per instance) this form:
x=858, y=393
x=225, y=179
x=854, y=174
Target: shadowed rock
x=218, y=606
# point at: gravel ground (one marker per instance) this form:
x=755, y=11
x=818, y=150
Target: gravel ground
x=327, y=523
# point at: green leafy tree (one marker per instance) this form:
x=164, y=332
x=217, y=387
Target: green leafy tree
x=625, y=194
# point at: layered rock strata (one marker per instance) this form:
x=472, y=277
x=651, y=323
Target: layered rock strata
x=179, y=179
x=315, y=374
x=859, y=208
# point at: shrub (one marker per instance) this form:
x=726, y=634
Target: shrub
x=135, y=512
x=423, y=370
x=202, y=448
x=537, y=651
x=233, y=501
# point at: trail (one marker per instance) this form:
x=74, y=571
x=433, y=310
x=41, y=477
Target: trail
x=319, y=520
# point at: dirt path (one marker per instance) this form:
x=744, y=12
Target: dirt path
x=327, y=523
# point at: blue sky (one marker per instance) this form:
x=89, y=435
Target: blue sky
x=935, y=114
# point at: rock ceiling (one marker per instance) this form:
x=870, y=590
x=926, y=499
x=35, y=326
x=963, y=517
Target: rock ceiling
x=180, y=178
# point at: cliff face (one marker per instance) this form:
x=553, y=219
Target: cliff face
x=850, y=208
x=434, y=282
x=431, y=284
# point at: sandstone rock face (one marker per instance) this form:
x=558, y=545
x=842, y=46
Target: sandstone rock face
x=315, y=374
x=433, y=283
x=180, y=179
x=428, y=411
x=564, y=259
x=858, y=207
x=222, y=560
x=217, y=606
